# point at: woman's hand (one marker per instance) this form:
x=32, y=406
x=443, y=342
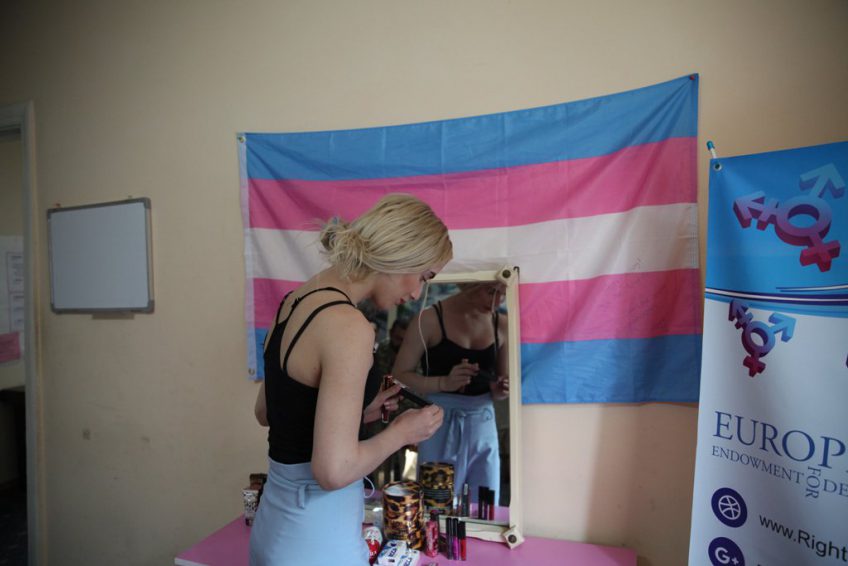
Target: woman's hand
x=417, y=425
x=500, y=389
x=459, y=376
x=387, y=398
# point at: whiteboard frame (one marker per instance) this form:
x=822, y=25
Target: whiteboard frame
x=148, y=308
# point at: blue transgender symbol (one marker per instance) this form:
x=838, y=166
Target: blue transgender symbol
x=768, y=211
x=766, y=335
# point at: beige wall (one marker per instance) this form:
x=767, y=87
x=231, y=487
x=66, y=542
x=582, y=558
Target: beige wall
x=148, y=432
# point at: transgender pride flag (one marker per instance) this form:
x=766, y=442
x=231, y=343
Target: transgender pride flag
x=594, y=200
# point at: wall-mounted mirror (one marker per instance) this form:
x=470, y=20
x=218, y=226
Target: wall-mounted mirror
x=459, y=348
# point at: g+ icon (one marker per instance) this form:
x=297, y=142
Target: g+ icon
x=725, y=552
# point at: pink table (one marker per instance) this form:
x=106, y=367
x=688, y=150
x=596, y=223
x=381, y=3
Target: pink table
x=228, y=547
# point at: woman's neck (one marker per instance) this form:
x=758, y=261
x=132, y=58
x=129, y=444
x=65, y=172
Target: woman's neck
x=466, y=308
x=357, y=291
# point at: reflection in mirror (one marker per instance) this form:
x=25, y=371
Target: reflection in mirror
x=452, y=348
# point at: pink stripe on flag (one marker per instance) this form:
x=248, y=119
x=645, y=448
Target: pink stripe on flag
x=650, y=174
x=630, y=305
x=268, y=293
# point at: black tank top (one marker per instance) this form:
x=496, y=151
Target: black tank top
x=290, y=404
x=441, y=358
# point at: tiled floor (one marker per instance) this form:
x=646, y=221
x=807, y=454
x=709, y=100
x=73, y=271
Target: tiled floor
x=13, y=527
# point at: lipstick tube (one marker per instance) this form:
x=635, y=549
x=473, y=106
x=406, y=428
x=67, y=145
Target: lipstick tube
x=490, y=507
x=463, y=549
x=481, y=492
x=456, y=544
x=449, y=529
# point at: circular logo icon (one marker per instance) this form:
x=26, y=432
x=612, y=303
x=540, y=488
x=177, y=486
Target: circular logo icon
x=725, y=552
x=729, y=507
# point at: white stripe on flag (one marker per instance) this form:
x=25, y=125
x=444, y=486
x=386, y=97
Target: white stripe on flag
x=645, y=239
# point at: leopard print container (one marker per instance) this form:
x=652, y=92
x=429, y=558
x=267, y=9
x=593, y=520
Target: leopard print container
x=437, y=482
x=403, y=513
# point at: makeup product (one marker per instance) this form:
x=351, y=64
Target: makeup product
x=257, y=482
x=455, y=539
x=481, y=491
x=374, y=540
x=490, y=505
x=449, y=528
x=412, y=397
x=403, y=513
x=465, y=503
x=437, y=483
x=397, y=553
x=251, y=500
x=463, y=547
x=432, y=548
x=384, y=412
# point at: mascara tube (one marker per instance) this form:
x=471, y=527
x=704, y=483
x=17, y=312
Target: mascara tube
x=388, y=381
x=465, y=510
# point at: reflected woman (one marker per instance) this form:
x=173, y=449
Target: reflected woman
x=317, y=357
x=459, y=347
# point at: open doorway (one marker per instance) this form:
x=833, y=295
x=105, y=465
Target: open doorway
x=18, y=392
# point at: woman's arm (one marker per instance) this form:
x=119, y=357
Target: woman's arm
x=386, y=398
x=338, y=457
x=500, y=388
x=409, y=356
x=259, y=408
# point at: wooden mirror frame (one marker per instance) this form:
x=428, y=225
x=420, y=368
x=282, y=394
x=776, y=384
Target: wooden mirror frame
x=509, y=533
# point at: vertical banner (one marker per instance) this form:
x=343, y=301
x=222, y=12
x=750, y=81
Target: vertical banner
x=771, y=477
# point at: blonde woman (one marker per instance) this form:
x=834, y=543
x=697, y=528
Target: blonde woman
x=459, y=347
x=317, y=358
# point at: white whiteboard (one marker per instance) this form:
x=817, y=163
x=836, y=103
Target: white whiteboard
x=100, y=257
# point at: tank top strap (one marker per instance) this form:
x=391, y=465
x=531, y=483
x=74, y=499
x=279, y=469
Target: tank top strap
x=300, y=298
x=297, y=301
x=280, y=309
x=438, y=308
x=302, y=328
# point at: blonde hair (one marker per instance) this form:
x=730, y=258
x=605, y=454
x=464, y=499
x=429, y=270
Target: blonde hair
x=399, y=234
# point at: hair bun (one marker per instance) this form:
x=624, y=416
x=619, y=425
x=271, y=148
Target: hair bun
x=399, y=234
x=330, y=232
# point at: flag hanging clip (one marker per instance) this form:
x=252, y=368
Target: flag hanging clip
x=711, y=147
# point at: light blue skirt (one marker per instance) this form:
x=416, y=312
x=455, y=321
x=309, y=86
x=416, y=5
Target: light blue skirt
x=299, y=523
x=468, y=439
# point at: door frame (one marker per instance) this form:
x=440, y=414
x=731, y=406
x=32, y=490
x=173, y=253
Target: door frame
x=21, y=116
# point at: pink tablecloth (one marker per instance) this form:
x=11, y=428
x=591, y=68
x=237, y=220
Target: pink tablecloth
x=228, y=547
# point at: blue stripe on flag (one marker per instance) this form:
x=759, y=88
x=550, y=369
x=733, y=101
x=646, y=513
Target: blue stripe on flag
x=258, y=342
x=612, y=371
x=573, y=130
